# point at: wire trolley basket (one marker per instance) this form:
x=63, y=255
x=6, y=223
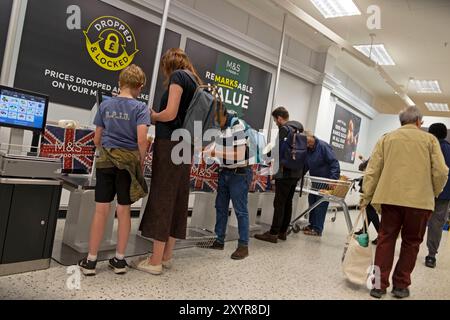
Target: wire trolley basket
x=328, y=188
x=197, y=237
x=333, y=191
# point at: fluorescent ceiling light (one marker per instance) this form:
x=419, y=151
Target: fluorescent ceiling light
x=336, y=8
x=442, y=107
x=377, y=53
x=409, y=101
x=426, y=86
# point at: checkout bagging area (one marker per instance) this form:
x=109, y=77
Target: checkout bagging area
x=60, y=161
x=56, y=174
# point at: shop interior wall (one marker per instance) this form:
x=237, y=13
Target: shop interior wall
x=58, y=111
x=385, y=123
x=295, y=95
x=294, y=92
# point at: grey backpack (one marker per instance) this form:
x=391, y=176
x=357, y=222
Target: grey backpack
x=204, y=106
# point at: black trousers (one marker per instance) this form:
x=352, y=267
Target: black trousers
x=372, y=217
x=284, y=193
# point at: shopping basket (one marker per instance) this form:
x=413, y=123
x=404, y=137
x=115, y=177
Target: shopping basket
x=333, y=191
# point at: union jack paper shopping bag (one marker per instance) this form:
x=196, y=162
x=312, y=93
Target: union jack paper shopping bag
x=261, y=178
x=204, y=177
x=148, y=161
x=75, y=148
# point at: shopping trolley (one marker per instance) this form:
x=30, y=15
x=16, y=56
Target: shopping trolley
x=332, y=191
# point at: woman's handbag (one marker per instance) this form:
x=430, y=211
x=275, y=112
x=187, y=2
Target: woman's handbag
x=357, y=260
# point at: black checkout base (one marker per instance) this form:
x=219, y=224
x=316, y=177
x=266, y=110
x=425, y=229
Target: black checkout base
x=28, y=217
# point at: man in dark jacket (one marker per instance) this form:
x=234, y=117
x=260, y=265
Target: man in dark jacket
x=321, y=162
x=442, y=203
x=286, y=181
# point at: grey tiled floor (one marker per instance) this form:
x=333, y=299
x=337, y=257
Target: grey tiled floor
x=301, y=268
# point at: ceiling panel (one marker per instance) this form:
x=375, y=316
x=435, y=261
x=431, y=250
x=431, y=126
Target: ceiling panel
x=416, y=33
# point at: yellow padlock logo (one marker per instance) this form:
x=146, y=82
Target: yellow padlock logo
x=112, y=43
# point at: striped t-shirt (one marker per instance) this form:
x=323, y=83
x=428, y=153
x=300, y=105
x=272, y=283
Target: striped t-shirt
x=230, y=138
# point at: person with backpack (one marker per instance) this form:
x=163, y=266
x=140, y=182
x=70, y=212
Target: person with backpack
x=286, y=179
x=235, y=177
x=166, y=213
x=321, y=162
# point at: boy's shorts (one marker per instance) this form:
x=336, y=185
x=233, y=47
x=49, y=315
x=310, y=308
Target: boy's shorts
x=112, y=181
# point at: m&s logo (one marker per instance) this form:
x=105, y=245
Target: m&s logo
x=233, y=67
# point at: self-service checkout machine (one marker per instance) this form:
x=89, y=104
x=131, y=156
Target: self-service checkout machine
x=81, y=208
x=29, y=187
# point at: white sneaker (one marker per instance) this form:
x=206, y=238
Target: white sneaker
x=145, y=266
x=168, y=264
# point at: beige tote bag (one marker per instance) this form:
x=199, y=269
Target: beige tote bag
x=357, y=261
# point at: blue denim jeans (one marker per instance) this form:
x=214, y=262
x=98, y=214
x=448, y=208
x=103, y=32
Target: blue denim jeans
x=318, y=215
x=233, y=186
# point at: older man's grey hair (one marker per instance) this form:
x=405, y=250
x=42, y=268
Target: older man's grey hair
x=410, y=115
x=308, y=133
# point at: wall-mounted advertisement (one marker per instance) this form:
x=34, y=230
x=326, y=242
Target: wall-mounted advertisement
x=345, y=134
x=5, y=14
x=244, y=88
x=70, y=49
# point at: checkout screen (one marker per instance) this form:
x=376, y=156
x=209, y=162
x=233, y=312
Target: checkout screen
x=20, y=109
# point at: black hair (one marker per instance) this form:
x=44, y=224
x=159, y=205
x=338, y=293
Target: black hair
x=281, y=112
x=439, y=130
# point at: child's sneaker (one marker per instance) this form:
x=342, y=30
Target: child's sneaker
x=118, y=266
x=87, y=267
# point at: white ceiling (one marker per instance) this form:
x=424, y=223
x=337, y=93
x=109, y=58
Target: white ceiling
x=271, y=14
x=413, y=31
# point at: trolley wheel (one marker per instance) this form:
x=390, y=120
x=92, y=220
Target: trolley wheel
x=289, y=231
x=296, y=228
x=333, y=219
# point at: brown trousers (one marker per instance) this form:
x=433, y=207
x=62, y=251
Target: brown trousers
x=412, y=224
x=166, y=212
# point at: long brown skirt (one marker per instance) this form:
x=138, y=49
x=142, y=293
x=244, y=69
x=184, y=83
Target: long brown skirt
x=166, y=212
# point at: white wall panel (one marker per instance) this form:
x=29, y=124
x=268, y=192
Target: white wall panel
x=353, y=87
x=295, y=95
x=264, y=33
x=299, y=52
x=224, y=12
x=317, y=60
x=367, y=97
x=382, y=124
x=341, y=76
x=385, y=123
x=190, y=3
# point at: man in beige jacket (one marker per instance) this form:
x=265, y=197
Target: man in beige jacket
x=406, y=172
